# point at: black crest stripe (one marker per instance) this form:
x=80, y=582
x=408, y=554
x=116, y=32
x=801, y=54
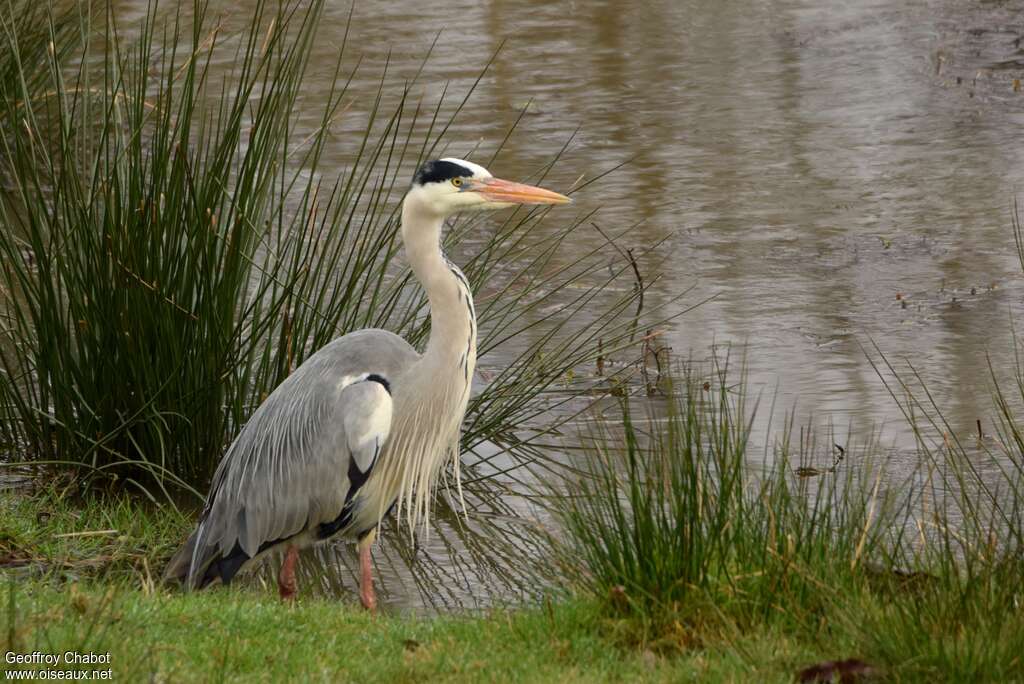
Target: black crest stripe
x=438, y=170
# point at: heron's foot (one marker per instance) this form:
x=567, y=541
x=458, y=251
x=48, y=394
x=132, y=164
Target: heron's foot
x=288, y=590
x=368, y=597
x=286, y=584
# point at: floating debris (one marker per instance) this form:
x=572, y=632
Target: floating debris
x=810, y=471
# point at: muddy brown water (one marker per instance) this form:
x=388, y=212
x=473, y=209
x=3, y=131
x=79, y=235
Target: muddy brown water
x=832, y=172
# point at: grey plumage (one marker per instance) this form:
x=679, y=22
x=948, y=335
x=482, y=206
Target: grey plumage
x=366, y=424
x=285, y=472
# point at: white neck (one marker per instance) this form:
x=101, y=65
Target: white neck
x=452, y=315
x=431, y=397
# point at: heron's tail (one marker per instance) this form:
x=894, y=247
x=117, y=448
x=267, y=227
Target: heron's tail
x=205, y=573
x=181, y=562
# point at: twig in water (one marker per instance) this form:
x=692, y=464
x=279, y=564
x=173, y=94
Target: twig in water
x=654, y=353
x=638, y=285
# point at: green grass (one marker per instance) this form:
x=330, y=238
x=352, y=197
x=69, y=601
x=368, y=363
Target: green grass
x=57, y=535
x=238, y=636
x=64, y=590
x=96, y=594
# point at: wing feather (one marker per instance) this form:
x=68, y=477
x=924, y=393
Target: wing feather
x=288, y=469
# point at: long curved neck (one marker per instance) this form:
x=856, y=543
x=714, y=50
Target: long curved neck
x=434, y=393
x=452, y=315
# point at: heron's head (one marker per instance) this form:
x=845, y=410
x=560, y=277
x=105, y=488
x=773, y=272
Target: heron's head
x=447, y=186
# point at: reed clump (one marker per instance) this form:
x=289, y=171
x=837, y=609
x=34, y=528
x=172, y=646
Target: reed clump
x=172, y=246
x=689, y=539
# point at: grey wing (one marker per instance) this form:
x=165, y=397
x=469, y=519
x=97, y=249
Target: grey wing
x=291, y=467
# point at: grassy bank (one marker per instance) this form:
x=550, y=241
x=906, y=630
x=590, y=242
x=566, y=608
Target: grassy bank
x=238, y=636
x=681, y=562
x=80, y=577
x=241, y=637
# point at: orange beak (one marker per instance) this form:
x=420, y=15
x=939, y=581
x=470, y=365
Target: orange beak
x=497, y=190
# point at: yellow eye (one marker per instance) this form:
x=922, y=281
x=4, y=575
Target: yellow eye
x=457, y=182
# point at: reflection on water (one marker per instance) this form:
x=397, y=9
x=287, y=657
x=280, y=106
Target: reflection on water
x=832, y=172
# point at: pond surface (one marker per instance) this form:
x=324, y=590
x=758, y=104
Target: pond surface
x=830, y=172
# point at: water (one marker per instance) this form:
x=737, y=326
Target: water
x=814, y=166
x=831, y=172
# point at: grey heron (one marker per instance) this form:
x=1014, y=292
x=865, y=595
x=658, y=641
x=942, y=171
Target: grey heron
x=363, y=425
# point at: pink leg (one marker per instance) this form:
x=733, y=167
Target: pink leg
x=367, y=595
x=286, y=579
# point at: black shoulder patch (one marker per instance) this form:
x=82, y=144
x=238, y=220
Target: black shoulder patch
x=373, y=377
x=438, y=170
